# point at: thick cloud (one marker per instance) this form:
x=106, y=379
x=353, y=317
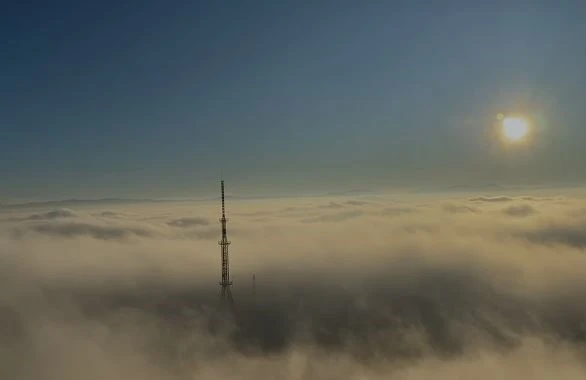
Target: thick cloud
x=395, y=211
x=530, y=198
x=573, y=235
x=444, y=292
x=520, y=210
x=338, y=217
x=458, y=208
x=356, y=203
x=110, y=214
x=75, y=229
x=337, y=205
x=189, y=222
x=491, y=199
x=54, y=214
x=332, y=205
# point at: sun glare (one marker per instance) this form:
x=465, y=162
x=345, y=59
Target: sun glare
x=515, y=128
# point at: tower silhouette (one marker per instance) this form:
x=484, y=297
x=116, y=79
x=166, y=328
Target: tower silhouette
x=225, y=283
x=254, y=287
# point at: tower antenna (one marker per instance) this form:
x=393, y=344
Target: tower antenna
x=225, y=283
x=254, y=287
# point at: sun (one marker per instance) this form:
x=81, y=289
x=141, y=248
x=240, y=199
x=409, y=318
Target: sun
x=515, y=128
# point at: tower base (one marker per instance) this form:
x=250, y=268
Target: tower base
x=226, y=300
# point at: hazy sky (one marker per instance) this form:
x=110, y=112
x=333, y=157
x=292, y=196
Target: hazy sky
x=153, y=98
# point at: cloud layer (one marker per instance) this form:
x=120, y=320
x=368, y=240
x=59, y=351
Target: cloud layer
x=409, y=288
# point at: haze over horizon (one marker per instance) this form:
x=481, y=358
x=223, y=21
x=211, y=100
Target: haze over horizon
x=150, y=99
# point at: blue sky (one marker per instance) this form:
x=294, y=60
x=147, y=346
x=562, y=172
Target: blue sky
x=153, y=98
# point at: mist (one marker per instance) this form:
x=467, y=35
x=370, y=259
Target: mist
x=346, y=287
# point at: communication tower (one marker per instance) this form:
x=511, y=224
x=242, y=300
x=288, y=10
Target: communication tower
x=225, y=283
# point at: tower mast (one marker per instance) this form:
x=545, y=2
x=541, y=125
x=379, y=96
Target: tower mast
x=254, y=287
x=225, y=283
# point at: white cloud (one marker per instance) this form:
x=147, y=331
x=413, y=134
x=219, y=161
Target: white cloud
x=385, y=289
x=491, y=199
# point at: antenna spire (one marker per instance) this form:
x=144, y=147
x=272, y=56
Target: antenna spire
x=223, y=220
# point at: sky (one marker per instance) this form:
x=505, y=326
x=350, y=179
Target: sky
x=151, y=98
